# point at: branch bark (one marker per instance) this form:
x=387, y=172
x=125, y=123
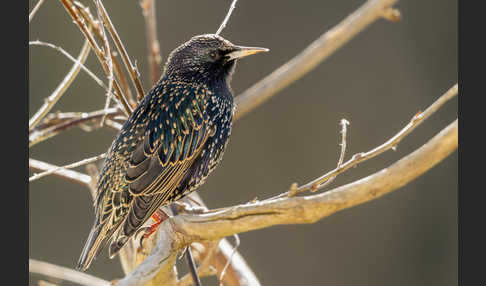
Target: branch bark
x=311, y=56
x=185, y=229
x=309, y=209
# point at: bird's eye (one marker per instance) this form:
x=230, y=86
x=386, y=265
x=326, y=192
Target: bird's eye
x=214, y=55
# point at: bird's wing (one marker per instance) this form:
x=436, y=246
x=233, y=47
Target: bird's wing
x=175, y=134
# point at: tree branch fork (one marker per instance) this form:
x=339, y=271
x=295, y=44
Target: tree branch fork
x=153, y=263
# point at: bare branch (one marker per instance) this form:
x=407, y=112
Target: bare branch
x=389, y=144
x=69, y=175
x=73, y=12
x=153, y=46
x=311, y=56
x=121, y=48
x=226, y=18
x=70, y=166
x=63, y=273
x=66, y=82
x=185, y=229
x=109, y=62
x=34, y=10
x=43, y=134
x=85, y=14
x=238, y=273
x=220, y=223
x=233, y=251
x=294, y=190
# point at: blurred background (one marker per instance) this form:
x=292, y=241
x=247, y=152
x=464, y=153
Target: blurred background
x=377, y=81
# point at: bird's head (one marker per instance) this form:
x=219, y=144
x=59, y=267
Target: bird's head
x=207, y=57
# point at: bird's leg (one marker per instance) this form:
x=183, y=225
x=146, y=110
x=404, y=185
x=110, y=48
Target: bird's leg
x=159, y=216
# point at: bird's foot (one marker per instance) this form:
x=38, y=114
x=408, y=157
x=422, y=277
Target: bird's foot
x=159, y=216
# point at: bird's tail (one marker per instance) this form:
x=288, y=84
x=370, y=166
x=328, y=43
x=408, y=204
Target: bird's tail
x=94, y=244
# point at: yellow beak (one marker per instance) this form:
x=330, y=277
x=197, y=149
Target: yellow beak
x=240, y=52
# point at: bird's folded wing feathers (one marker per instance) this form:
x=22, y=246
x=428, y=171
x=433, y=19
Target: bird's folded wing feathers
x=174, y=136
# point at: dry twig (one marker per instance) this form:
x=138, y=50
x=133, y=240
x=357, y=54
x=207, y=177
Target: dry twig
x=70, y=166
x=73, y=176
x=134, y=75
x=40, y=135
x=153, y=46
x=86, y=16
x=108, y=59
x=311, y=56
x=220, y=223
x=65, y=83
x=184, y=229
x=74, y=13
x=34, y=10
x=63, y=273
x=226, y=18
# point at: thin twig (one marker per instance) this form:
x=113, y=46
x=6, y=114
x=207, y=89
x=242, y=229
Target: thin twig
x=226, y=18
x=178, y=231
x=344, y=130
x=107, y=52
x=416, y=120
x=153, y=46
x=311, y=56
x=56, y=118
x=34, y=10
x=70, y=166
x=65, y=83
x=192, y=267
x=83, y=67
x=73, y=12
x=205, y=268
x=134, y=75
x=233, y=251
x=63, y=273
x=85, y=14
x=73, y=176
x=294, y=190
x=38, y=136
x=227, y=221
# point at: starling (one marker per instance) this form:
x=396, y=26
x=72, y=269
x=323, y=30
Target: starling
x=170, y=143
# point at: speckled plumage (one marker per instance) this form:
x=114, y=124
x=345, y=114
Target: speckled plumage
x=169, y=145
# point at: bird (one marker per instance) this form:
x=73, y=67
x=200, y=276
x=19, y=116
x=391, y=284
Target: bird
x=168, y=146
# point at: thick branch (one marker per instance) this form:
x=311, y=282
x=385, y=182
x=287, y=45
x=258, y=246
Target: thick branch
x=417, y=119
x=309, y=209
x=185, y=229
x=309, y=58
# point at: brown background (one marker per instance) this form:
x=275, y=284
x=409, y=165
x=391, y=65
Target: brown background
x=378, y=81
